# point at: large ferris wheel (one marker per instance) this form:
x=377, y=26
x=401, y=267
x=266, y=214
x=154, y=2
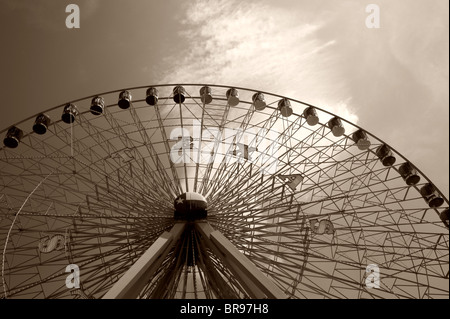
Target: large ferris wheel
x=207, y=191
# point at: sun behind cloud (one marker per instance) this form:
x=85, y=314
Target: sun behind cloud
x=261, y=46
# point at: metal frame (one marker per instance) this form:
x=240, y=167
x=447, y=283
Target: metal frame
x=114, y=208
x=255, y=282
x=134, y=280
x=131, y=283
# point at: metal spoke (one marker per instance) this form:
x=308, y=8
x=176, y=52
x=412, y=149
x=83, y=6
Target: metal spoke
x=293, y=210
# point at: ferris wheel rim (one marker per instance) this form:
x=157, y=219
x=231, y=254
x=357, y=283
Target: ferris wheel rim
x=223, y=86
x=250, y=90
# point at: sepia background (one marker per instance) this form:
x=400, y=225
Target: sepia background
x=392, y=81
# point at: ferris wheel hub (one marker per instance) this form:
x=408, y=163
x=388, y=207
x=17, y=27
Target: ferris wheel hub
x=328, y=193
x=190, y=206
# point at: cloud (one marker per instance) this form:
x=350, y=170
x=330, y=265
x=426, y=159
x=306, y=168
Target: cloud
x=260, y=46
x=426, y=59
x=397, y=77
x=392, y=81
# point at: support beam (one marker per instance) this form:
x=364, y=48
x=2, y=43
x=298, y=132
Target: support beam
x=133, y=281
x=251, y=278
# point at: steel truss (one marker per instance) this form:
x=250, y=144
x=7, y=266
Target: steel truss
x=293, y=211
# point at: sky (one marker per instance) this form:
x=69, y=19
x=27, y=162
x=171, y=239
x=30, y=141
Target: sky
x=392, y=81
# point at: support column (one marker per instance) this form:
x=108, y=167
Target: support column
x=251, y=278
x=133, y=281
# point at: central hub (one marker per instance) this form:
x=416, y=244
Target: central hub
x=190, y=206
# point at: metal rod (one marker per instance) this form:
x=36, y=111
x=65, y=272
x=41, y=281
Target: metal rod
x=134, y=280
x=250, y=277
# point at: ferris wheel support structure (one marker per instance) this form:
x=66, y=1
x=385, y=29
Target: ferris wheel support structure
x=210, y=191
x=255, y=282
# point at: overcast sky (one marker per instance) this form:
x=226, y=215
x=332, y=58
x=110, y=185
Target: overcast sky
x=392, y=81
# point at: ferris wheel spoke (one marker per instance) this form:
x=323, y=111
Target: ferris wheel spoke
x=345, y=220
x=84, y=152
x=286, y=257
x=113, y=269
x=184, y=153
x=251, y=191
x=282, y=270
x=84, y=261
x=221, y=287
x=246, y=119
x=312, y=204
x=115, y=167
x=220, y=170
x=361, y=195
x=67, y=186
x=218, y=175
x=223, y=275
x=163, y=179
x=377, y=197
x=208, y=170
x=245, y=180
x=120, y=191
x=153, y=157
x=282, y=141
x=97, y=200
x=177, y=186
x=199, y=151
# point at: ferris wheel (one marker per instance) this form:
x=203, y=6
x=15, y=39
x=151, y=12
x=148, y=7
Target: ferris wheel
x=207, y=191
